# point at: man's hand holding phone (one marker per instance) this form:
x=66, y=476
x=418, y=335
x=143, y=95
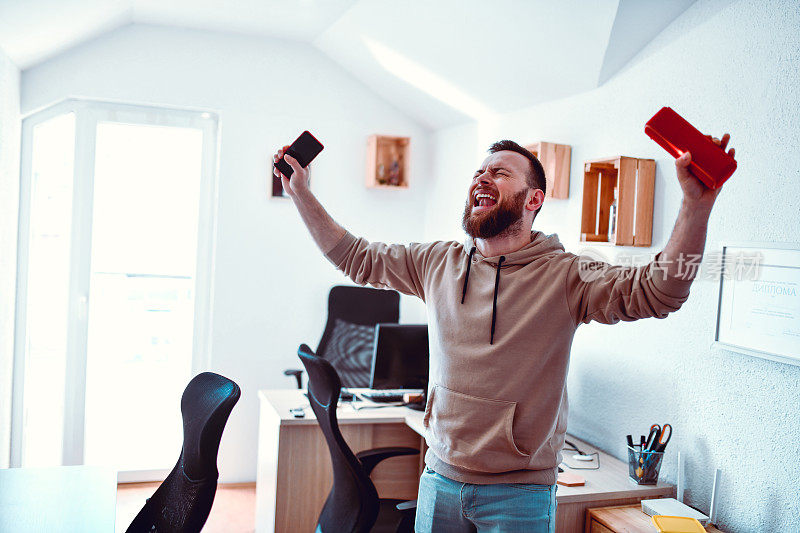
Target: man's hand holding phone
x=291, y=163
x=298, y=183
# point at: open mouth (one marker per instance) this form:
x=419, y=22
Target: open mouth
x=483, y=200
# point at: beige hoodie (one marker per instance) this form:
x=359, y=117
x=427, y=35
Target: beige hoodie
x=500, y=332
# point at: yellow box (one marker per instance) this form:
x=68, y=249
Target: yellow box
x=677, y=524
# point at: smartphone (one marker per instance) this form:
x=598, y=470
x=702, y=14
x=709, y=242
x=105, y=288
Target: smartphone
x=710, y=163
x=305, y=148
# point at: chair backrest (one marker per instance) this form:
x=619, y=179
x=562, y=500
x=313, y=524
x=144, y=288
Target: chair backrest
x=183, y=501
x=349, y=336
x=352, y=505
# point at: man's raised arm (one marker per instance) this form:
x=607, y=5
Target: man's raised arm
x=325, y=231
x=608, y=294
x=381, y=265
x=688, y=237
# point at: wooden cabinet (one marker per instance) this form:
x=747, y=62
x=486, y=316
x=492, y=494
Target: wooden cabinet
x=555, y=159
x=622, y=519
x=631, y=183
x=387, y=161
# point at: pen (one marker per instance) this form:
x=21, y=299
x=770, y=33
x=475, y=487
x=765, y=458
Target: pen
x=642, y=443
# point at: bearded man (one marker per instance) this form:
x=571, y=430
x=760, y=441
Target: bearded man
x=502, y=309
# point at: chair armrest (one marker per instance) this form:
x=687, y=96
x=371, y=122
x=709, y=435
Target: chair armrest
x=298, y=375
x=408, y=514
x=407, y=506
x=370, y=458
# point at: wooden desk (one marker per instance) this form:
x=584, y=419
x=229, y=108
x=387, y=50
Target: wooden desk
x=294, y=469
x=623, y=519
x=60, y=499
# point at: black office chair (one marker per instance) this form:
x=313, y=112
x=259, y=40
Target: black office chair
x=353, y=504
x=181, y=504
x=349, y=335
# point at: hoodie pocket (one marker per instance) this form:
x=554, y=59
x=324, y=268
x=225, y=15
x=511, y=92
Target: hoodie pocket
x=472, y=432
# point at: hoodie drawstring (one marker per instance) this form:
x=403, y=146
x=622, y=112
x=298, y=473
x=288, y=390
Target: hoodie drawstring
x=494, y=302
x=496, y=287
x=466, y=279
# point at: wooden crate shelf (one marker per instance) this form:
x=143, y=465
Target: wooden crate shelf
x=387, y=161
x=634, y=181
x=555, y=159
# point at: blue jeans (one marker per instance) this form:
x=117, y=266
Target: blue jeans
x=445, y=506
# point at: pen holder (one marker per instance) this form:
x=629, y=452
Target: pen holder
x=643, y=466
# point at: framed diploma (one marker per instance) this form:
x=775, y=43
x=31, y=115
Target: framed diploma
x=758, y=311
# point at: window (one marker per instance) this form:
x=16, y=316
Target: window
x=117, y=218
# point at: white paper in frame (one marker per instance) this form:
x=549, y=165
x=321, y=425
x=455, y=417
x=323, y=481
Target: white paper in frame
x=759, y=315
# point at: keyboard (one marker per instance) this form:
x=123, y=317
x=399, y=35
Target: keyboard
x=384, y=395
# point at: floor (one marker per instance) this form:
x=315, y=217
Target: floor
x=234, y=509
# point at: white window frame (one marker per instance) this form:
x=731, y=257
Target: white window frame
x=88, y=113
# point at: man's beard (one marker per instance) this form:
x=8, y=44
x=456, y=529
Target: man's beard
x=504, y=219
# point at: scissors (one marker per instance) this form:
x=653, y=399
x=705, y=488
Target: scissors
x=664, y=435
x=651, y=443
x=658, y=438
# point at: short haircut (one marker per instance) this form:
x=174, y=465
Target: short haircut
x=535, y=177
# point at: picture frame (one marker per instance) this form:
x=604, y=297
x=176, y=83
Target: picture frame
x=760, y=315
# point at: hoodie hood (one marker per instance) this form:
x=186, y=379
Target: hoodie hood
x=540, y=246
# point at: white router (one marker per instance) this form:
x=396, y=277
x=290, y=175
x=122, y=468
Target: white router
x=673, y=507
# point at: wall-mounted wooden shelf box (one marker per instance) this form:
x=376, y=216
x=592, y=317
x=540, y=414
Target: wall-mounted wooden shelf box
x=634, y=180
x=555, y=159
x=387, y=161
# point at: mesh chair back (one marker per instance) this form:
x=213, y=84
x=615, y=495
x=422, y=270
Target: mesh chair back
x=349, y=337
x=181, y=504
x=353, y=504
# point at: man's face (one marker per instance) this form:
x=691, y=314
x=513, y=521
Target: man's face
x=497, y=196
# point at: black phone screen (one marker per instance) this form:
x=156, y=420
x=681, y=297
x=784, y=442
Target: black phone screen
x=305, y=148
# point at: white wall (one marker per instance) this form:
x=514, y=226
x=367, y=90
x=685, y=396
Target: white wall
x=271, y=283
x=9, y=206
x=726, y=66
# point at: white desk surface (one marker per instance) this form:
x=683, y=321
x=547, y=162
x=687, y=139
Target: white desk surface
x=283, y=400
x=610, y=480
x=59, y=499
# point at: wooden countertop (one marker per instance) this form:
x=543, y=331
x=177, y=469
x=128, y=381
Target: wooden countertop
x=611, y=479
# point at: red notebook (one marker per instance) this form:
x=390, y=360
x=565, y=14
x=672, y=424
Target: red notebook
x=710, y=163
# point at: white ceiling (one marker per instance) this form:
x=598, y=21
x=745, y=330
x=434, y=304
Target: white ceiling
x=439, y=61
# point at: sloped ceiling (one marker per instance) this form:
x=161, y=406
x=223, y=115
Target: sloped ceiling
x=476, y=57
x=442, y=62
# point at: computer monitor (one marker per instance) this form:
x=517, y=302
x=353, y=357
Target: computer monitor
x=400, y=359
